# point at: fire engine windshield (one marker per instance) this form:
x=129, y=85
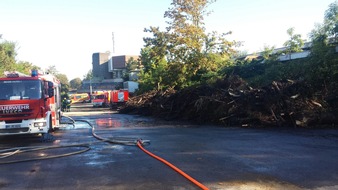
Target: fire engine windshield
x=99, y=96
x=20, y=89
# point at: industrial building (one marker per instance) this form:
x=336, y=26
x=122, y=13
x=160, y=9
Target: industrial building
x=108, y=72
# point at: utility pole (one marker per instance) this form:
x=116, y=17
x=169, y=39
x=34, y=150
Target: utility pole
x=90, y=87
x=112, y=56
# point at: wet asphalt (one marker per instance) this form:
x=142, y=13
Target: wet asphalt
x=218, y=157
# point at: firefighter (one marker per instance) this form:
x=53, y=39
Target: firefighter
x=64, y=104
x=69, y=102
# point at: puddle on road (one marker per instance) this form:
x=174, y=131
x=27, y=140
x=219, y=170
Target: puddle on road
x=97, y=160
x=98, y=123
x=108, y=123
x=105, y=121
x=100, y=163
x=100, y=156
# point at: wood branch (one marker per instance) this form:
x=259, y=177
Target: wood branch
x=295, y=96
x=274, y=83
x=316, y=103
x=231, y=102
x=139, y=101
x=273, y=115
x=234, y=95
x=281, y=103
x=227, y=117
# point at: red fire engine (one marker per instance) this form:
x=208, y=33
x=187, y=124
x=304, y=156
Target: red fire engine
x=29, y=104
x=101, y=98
x=118, y=97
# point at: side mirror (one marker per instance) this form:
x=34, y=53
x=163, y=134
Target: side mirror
x=50, y=89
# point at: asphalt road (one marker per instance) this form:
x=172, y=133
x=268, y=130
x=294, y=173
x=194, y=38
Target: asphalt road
x=220, y=158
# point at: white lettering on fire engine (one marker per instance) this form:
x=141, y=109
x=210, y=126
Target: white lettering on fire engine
x=14, y=108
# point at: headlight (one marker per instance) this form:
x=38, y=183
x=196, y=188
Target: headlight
x=40, y=124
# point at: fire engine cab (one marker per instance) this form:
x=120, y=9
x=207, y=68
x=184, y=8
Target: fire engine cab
x=101, y=98
x=29, y=104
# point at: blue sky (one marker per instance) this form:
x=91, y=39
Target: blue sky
x=66, y=33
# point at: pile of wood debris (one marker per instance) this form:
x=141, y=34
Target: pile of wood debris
x=233, y=102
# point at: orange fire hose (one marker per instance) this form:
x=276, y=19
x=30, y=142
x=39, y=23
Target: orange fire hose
x=139, y=144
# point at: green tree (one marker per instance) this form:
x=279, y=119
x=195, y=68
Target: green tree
x=75, y=83
x=131, y=65
x=322, y=69
x=52, y=70
x=89, y=75
x=187, y=37
x=8, y=61
x=331, y=20
x=155, y=73
x=7, y=56
x=184, y=54
x=64, y=83
x=268, y=52
x=25, y=67
x=295, y=42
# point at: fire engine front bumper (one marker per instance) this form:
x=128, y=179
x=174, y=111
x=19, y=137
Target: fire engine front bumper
x=24, y=127
x=97, y=104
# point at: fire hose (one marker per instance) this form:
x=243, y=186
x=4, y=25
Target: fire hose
x=140, y=143
x=115, y=140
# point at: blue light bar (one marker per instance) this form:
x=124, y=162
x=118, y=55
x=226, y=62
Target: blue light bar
x=35, y=73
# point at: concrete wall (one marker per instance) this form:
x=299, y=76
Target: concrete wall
x=100, y=65
x=109, y=68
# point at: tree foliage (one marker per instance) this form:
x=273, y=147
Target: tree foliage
x=268, y=53
x=75, y=83
x=7, y=56
x=320, y=69
x=331, y=20
x=89, y=75
x=8, y=61
x=131, y=65
x=64, y=83
x=52, y=70
x=155, y=74
x=183, y=54
x=26, y=67
x=295, y=42
x=323, y=66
